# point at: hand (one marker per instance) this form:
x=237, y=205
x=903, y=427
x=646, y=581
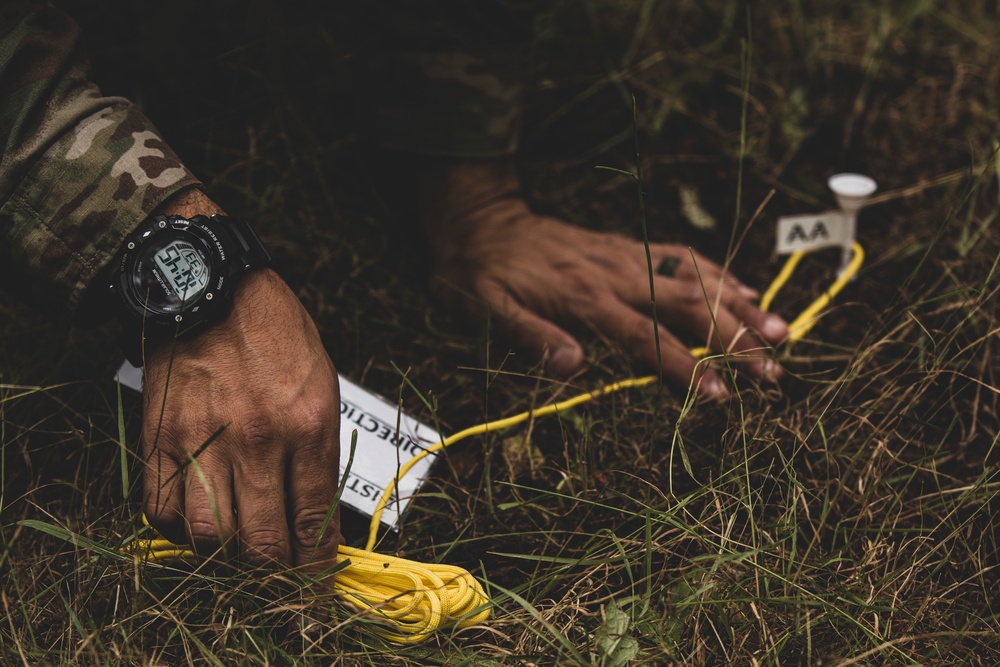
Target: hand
x=270, y=476
x=537, y=274
x=262, y=380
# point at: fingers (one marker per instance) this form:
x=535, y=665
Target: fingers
x=635, y=332
x=531, y=332
x=682, y=302
x=729, y=332
x=314, y=472
x=315, y=522
x=284, y=494
x=215, y=507
x=261, y=511
x=718, y=311
x=208, y=505
x=772, y=328
x=691, y=265
x=163, y=497
x=204, y=502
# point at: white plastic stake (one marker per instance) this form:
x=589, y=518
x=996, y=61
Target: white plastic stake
x=852, y=192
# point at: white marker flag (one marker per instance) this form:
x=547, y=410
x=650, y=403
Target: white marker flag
x=812, y=232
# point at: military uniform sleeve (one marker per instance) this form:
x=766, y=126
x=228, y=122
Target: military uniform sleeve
x=78, y=170
x=444, y=78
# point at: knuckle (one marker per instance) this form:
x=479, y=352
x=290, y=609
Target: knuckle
x=315, y=419
x=691, y=295
x=264, y=545
x=311, y=529
x=486, y=288
x=583, y=287
x=159, y=513
x=162, y=435
x=626, y=247
x=255, y=432
x=638, y=334
x=204, y=531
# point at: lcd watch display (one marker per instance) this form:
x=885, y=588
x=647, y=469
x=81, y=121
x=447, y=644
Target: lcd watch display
x=184, y=269
x=171, y=275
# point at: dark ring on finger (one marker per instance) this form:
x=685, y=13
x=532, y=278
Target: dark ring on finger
x=668, y=266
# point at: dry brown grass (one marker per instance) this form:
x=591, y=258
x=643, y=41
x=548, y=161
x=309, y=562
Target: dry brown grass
x=843, y=518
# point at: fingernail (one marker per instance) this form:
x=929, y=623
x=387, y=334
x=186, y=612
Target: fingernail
x=774, y=328
x=564, y=360
x=747, y=291
x=713, y=388
x=769, y=370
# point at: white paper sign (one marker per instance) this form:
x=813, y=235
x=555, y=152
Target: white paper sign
x=380, y=451
x=812, y=232
x=381, y=448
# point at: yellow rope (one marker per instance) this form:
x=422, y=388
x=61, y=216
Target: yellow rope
x=413, y=600
x=486, y=428
x=417, y=599
x=807, y=319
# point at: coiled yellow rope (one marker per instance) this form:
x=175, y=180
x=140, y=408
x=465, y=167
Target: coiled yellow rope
x=413, y=600
x=418, y=599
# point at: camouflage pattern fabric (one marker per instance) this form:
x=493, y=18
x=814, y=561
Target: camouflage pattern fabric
x=444, y=77
x=78, y=171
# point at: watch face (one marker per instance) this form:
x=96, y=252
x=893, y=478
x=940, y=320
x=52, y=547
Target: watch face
x=177, y=274
x=170, y=275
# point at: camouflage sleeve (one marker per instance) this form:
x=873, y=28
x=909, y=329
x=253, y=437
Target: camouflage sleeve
x=444, y=77
x=78, y=171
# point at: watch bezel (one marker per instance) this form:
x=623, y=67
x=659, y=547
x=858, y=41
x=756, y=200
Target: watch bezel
x=196, y=230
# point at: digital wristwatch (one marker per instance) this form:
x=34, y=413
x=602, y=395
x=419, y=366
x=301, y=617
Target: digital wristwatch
x=177, y=275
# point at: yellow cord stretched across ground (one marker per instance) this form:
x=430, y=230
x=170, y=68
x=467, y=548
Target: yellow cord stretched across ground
x=417, y=599
x=801, y=325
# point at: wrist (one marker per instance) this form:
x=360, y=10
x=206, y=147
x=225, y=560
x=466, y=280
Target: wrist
x=245, y=313
x=463, y=200
x=453, y=191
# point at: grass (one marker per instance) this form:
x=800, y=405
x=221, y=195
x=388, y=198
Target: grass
x=845, y=517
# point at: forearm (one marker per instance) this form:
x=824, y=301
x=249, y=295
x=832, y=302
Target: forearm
x=451, y=190
x=78, y=171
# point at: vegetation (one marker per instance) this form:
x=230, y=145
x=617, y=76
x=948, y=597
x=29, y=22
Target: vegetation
x=843, y=517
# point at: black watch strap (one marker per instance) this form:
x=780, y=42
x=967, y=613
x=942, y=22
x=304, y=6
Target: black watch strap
x=256, y=252
x=253, y=254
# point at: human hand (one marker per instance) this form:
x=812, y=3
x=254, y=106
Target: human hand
x=265, y=485
x=537, y=274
